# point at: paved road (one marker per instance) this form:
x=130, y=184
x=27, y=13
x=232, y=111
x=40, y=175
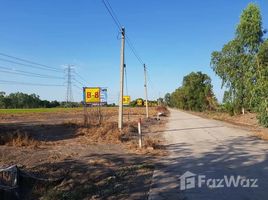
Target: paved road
x=213, y=149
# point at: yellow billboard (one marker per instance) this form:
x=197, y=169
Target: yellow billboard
x=139, y=102
x=126, y=100
x=92, y=95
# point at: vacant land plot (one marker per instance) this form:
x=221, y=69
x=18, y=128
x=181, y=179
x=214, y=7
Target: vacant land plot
x=60, y=158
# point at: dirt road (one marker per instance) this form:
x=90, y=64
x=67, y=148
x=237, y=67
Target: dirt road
x=215, y=150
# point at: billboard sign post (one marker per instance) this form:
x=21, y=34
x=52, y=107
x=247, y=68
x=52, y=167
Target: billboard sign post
x=94, y=96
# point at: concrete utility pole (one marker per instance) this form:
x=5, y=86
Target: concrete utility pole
x=122, y=62
x=146, y=94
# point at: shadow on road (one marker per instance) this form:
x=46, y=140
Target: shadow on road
x=235, y=157
x=183, y=129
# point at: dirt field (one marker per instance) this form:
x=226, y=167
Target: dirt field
x=60, y=158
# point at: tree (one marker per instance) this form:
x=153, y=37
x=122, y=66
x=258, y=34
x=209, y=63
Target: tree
x=2, y=97
x=194, y=94
x=249, y=31
x=167, y=99
x=260, y=91
x=229, y=65
x=236, y=64
x=159, y=101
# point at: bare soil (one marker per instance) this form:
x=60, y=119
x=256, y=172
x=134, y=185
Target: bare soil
x=63, y=159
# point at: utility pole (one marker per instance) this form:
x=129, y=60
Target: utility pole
x=122, y=62
x=145, y=88
x=69, y=93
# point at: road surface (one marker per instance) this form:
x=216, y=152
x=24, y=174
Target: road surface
x=213, y=150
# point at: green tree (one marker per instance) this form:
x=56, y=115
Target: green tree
x=229, y=65
x=236, y=64
x=195, y=93
x=2, y=97
x=249, y=30
x=260, y=91
x=167, y=99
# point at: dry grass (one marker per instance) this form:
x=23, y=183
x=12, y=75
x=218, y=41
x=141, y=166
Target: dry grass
x=106, y=132
x=163, y=109
x=150, y=142
x=262, y=134
x=18, y=139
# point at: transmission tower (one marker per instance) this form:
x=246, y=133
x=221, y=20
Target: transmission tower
x=69, y=93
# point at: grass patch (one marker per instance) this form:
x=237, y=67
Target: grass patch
x=37, y=110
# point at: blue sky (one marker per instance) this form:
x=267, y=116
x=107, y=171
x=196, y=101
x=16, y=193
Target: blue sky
x=173, y=37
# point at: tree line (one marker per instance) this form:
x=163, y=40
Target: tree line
x=22, y=100
x=195, y=93
x=242, y=65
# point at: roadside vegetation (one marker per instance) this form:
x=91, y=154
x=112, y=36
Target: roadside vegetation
x=22, y=100
x=195, y=94
x=242, y=64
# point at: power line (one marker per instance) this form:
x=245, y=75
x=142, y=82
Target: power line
x=118, y=24
x=112, y=14
x=30, y=62
x=134, y=51
x=28, y=65
x=80, y=76
x=78, y=82
x=78, y=87
x=25, y=73
x=27, y=83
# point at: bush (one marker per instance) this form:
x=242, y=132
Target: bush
x=228, y=107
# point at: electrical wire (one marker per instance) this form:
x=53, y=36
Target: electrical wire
x=118, y=24
x=78, y=82
x=26, y=83
x=34, y=65
x=30, y=62
x=80, y=89
x=25, y=73
x=80, y=76
x=28, y=65
x=112, y=14
x=134, y=51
